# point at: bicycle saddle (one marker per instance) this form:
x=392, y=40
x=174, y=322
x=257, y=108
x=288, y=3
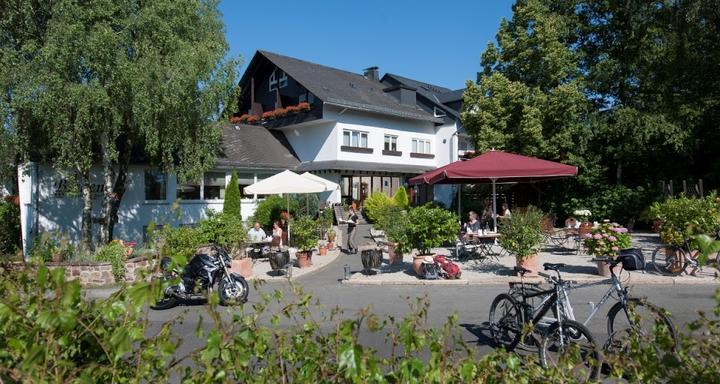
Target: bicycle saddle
x=553, y=266
x=522, y=271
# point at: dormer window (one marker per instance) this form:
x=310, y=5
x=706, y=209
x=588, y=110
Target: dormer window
x=438, y=112
x=275, y=82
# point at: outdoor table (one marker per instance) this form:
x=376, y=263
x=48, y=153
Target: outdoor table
x=480, y=244
x=257, y=248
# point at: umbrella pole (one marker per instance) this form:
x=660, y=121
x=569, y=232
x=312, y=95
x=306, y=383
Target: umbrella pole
x=457, y=250
x=494, y=206
x=288, y=217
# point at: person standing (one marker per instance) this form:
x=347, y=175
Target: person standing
x=352, y=222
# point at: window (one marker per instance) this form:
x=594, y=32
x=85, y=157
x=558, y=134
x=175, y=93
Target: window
x=390, y=143
x=302, y=98
x=272, y=84
x=155, y=185
x=189, y=191
x=355, y=139
x=283, y=81
x=438, y=112
x=311, y=98
x=421, y=146
x=214, y=186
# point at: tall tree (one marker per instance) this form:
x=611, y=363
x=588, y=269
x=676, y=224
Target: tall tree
x=99, y=81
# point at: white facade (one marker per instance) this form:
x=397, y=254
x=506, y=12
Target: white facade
x=46, y=205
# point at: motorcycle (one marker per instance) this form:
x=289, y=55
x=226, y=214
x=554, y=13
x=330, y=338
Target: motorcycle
x=208, y=267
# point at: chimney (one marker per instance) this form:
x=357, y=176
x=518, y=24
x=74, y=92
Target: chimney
x=372, y=73
x=404, y=94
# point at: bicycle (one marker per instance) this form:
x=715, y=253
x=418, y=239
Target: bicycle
x=562, y=337
x=673, y=260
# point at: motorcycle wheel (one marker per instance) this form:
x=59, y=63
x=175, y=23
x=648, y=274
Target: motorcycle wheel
x=234, y=291
x=166, y=302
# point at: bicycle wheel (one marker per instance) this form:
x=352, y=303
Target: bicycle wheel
x=570, y=346
x=530, y=341
x=641, y=319
x=669, y=260
x=506, y=321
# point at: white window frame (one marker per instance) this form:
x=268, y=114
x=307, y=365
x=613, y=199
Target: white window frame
x=358, y=136
x=421, y=146
x=437, y=112
x=283, y=80
x=272, y=82
x=390, y=140
x=201, y=184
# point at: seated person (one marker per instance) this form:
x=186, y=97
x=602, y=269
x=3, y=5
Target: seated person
x=487, y=217
x=505, y=211
x=277, y=235
x=473, y=224
x=256, y=234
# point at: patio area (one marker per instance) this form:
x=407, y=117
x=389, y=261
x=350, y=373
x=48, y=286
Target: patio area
x=579, y=268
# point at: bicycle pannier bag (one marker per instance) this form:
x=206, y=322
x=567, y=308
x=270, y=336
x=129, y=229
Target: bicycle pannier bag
x=632, y=259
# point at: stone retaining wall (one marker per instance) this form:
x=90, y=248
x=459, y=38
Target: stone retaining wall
x=98, y=274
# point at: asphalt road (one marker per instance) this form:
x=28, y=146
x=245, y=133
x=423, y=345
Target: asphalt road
x=471, y=303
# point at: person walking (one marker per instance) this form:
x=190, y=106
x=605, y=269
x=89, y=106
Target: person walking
x=352, y=222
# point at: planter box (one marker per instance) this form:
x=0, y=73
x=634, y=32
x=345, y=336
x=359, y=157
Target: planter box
x=100, y=274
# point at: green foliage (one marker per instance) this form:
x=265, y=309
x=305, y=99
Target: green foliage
x=90, y=83
x=393, y=220
x=269, y=210
x=180, y=242
x=683, y=217
x=109, y=340
x=375, y=203
x=430, y=227
x=114, y=253
x=325, y=221
x=707, y=247
x=9, y=227
x=401, y=198
x=616, y=202
x=607, y=240
x=231, y=205
x=304, y=233
x=226, y=230
x=521, y=235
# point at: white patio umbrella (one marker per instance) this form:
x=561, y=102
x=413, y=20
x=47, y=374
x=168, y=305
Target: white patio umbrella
x=285, y=182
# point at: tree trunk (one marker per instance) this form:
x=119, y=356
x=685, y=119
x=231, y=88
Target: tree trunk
x=115, y=176
x=86, y=226
x=108, y=195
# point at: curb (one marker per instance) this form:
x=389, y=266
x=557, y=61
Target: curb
x=294, y=278
x=502, y=281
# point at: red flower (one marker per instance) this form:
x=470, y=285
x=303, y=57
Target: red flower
x=235, y=119
x=304, y=106
x=253, y=119
x=268, y=115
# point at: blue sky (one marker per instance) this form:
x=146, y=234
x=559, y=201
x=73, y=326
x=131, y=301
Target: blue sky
x=439, y=42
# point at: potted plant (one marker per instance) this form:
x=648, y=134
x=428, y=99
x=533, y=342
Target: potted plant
x=392, y=219
x=607, y=240
x=521, y=236
x=322, y=248
x=684, y=218
x=583, y=216
x=429, y=227
x=305, y=238
x=331, y=238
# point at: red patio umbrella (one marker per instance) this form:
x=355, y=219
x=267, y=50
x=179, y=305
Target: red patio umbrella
x=494, y=166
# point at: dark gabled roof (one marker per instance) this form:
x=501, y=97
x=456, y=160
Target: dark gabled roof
x=434, y=93
x=344, y=165
x=451, y=96
x=255, y=147
x=342, y=88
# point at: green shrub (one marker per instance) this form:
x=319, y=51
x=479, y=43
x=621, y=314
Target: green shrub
x=401, y=198
x=304, y=233
x=231, y=205
x=114, y=253
x=224, y=229
x=43, y=247
x=521, y=235
x=180, y=242
x=375, y=203
x=269, y=210
x=683, y=218
x=9, y=227
x=393, y=220
x=429, y=227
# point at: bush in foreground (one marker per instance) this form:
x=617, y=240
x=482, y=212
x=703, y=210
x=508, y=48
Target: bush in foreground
x=50, y=333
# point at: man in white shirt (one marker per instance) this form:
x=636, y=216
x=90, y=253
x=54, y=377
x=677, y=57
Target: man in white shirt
x=256, y=234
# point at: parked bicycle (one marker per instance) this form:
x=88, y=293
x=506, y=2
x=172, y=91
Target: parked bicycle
x=673, y=260
x=525, y=306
